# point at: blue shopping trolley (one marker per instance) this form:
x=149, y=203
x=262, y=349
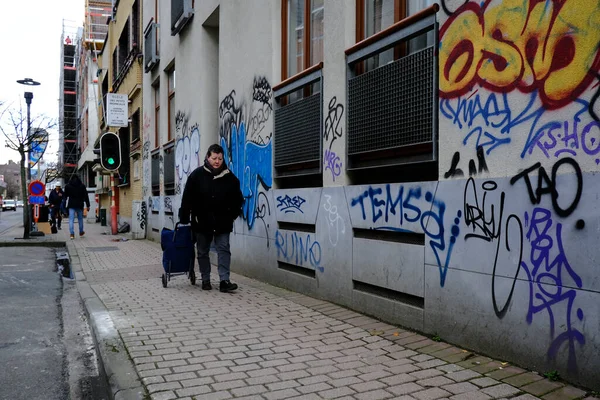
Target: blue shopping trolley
x=178, y=253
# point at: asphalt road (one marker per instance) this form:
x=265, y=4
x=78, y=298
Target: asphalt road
x=47, y=351
x=8, y=219
x=31, y=347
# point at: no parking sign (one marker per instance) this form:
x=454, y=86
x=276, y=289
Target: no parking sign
x=37, y=191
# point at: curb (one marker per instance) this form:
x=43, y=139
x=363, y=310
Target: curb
x=123, y=380
x=33, y=243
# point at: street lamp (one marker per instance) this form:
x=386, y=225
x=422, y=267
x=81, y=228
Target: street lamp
x=28, y=98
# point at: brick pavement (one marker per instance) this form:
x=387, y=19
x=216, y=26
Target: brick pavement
x=263, y=342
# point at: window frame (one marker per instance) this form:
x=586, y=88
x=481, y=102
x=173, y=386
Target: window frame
x=400, y=12
x=306, y=39
x=156, y=95
x=171, y=97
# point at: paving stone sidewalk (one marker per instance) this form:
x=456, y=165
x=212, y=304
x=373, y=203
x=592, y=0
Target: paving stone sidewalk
x=263, y=342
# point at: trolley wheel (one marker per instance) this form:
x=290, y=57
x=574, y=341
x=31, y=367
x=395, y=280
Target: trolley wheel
x=164, y=280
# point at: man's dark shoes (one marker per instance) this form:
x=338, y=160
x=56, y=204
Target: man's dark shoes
x=227, y=286
x=206, y=285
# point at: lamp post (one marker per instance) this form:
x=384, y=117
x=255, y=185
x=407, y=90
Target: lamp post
x=28, y=221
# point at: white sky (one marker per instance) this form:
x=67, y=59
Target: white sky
x=30, y=44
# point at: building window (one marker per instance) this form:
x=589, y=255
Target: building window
x=135, y=126
x=123, y=47
x=135, y=26
x=171, y=90
x=115, y=65
x=155, y=167
x=156, y=113
x=169, y=170
x=373, y=16
x=302, y=35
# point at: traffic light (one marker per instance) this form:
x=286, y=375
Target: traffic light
x=110, y=151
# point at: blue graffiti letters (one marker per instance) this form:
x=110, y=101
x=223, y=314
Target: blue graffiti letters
x=298, y=248
x=251, y=163
x=400, y=208
x=289, y=204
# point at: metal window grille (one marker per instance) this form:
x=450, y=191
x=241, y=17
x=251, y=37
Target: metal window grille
x=391, y=115
x=392, y=106
x=298, y=129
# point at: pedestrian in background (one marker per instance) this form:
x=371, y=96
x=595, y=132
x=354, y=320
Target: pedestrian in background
x=55, y=200
x=213, y=197
x=76, y=196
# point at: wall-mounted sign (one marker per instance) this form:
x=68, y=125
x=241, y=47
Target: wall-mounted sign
x=116, y=109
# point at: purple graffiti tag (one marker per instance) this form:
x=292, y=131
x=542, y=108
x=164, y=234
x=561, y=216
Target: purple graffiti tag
x=332, y=162
x=548, y=286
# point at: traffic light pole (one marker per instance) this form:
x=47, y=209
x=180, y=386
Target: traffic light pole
x=113, y=206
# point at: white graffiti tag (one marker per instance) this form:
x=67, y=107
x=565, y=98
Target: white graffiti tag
x=335, y=222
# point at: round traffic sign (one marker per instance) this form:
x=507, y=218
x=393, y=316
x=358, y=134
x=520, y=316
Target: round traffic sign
x=37, y=188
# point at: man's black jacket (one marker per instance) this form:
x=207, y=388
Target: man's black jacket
x=76, y=195
x=214, y=201
x=55, y=198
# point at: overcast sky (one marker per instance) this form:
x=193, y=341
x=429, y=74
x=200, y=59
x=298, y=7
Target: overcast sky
x=30, y=42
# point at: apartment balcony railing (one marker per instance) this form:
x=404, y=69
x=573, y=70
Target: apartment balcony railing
x=392, y=110
x=297, y=133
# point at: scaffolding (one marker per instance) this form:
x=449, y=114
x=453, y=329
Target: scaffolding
x=80, y=46
x=68, y=149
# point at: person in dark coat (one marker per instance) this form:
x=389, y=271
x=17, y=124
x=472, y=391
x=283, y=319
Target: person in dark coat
x=55, y=201
x=213, y=197
x=75, y=197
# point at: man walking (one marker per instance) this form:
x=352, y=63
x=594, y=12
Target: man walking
x=75, y=196
x=55, y=200
x=213, y=197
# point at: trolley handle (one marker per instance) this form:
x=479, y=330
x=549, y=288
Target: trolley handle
x=175, y=232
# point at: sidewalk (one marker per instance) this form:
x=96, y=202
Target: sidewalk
x=263, y=342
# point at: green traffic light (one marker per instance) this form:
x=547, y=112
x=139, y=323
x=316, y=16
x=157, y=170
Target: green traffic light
x=111, y=161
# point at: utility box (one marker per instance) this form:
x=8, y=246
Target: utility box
x=103, y=217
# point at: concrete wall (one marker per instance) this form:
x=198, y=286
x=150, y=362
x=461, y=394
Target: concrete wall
x=498, y=255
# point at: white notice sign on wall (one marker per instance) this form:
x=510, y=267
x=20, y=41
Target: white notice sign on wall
x=116, y=109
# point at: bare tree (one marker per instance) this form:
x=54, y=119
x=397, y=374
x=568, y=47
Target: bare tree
x=12, y=186
x=13, y=125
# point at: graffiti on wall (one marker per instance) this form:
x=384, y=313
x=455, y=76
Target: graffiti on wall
x=542, y=46
x=400, y=205
x=187, y=149
x=146, y=166
x=289, y=204
x=141, y=216
x=532, y=58
x=532, y=243
x=335, y=222
x=332, y=132
x=249, y=154
x=332, y=163
x=258, y=128
x=298, y=248
x=551, y=279
x=455, y=171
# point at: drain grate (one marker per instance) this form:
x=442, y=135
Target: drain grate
x=107, y=248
